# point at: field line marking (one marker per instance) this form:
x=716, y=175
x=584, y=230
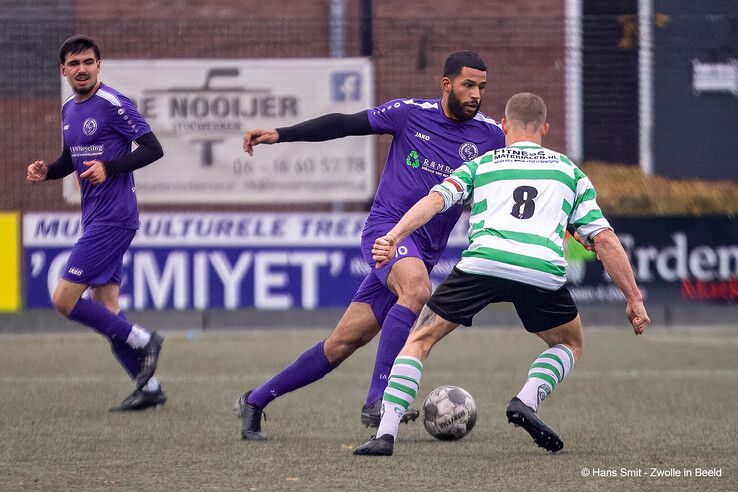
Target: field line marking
x=616, y=374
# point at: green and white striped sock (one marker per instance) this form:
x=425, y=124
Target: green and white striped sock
x=546, y=372
x=402, y=387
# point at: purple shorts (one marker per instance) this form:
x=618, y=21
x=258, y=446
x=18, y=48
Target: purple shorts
x=97, y=257
x=373, y=290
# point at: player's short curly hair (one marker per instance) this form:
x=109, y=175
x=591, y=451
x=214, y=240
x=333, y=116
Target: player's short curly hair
x=77, y=44
x=460, y=59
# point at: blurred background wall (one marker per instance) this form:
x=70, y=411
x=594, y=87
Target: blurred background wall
x=623, y=79
x=523, y=44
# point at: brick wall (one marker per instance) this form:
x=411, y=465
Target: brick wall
x=522, y=42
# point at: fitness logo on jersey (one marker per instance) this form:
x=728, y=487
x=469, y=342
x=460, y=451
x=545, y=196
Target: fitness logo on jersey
x=468, y=151
x=89, y=126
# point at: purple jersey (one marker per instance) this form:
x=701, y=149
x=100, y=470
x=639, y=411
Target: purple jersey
x=426, y=148
x=102, y=128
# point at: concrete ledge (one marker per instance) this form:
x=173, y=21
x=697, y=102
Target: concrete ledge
x=499, y=315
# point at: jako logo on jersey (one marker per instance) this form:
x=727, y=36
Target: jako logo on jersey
x=75, y=271
x=412, y=159
x=89, y=126
x=66, y=127
x=468, y=151
x=422, y=136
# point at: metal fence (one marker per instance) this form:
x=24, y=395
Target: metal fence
x=527, y=49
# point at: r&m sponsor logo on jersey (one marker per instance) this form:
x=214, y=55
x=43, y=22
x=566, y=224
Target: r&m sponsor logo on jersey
x=416, y=160
x=346, y=86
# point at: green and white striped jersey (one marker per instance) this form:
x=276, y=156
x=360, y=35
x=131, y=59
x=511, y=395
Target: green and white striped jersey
x=522, y=197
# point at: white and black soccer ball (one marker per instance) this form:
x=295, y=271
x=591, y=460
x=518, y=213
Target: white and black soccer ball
x=449, y=413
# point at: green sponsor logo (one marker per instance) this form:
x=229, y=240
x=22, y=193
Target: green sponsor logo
x=412, y=160
x=576, y=252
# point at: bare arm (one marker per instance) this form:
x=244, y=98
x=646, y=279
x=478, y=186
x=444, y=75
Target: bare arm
x=418, y=215
x=616, y=264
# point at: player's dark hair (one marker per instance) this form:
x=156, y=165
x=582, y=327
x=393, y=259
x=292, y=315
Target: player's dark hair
x=77, y=44
x=526, y=108
x=460, y=59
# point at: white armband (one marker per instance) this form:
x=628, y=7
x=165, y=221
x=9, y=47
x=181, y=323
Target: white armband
x=450, y=193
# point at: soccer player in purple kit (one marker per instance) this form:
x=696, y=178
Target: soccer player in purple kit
x=99, y=125
x=431, y=138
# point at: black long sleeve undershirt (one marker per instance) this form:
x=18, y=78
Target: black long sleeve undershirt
x=327, y=127
x=61, y=167
x=149, y=149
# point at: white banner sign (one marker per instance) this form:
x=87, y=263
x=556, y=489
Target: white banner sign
x=200, y=109
x=224, y=229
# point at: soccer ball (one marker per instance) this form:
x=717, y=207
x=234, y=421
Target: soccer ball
x=449, y=413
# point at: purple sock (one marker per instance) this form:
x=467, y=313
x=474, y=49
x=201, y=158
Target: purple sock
x=309, y=367
x=96, y=316
x=127, y=356
x=395, y=330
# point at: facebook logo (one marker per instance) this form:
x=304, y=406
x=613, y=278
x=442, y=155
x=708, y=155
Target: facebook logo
x=346, y=86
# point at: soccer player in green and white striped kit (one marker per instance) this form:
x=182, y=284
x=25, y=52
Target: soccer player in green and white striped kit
x=522, y=199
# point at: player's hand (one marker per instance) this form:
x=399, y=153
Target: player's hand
x=384, y=249
x=37, y=171
x=259, y=136
x=95, y=172
x=638, y=317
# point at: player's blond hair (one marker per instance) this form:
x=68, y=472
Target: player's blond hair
x=526, y=109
